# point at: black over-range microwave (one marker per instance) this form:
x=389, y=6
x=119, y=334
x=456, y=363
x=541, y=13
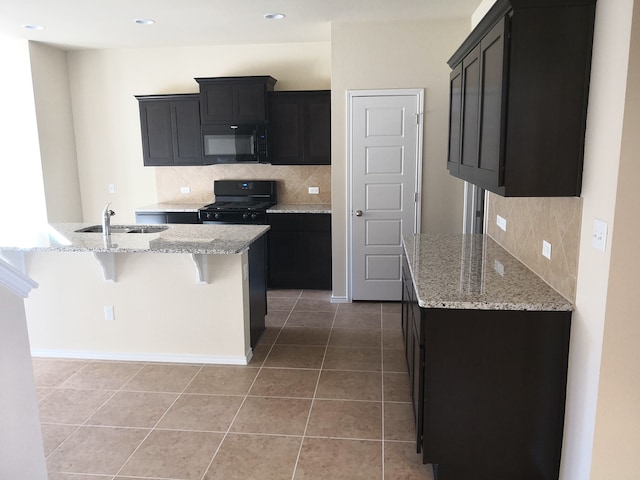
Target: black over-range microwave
x=235, y=143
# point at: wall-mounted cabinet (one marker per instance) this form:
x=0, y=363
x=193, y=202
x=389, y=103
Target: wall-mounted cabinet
x=300, y=127
x=170, y=127
x=518, y=98
x=234, y=99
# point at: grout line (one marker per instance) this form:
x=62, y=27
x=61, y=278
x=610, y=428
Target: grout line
x=315, y=391
x=215, y=454
x=382, y=383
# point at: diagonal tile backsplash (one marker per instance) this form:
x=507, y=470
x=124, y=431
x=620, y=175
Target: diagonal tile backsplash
x=532, y=220
x=293, y=181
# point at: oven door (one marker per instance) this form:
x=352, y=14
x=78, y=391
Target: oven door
x=234, y=143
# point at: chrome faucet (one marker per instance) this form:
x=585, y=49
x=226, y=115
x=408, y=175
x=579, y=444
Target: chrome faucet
x=106, y=219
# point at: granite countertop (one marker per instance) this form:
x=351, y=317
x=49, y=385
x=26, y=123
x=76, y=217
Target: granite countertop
x=473, y=272
x=300, y=208
x=178, y=238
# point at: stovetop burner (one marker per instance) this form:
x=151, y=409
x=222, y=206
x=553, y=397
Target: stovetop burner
x=240, y=201
x=238, y=206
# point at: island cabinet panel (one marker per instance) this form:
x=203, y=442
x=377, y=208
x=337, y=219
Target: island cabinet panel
x=170, y=127
x=518, y=98
x=300, y=131
x=488, y=388
x=234, y=99
x=299, y=246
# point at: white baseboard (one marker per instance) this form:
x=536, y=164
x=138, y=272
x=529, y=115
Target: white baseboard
x=335, y=299
x=144, y=357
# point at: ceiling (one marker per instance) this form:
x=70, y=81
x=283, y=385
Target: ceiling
x=76, y=24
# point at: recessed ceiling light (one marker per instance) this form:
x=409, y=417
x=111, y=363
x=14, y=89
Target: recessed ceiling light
x=144, y=21
x=274, y=16
x=33, y=27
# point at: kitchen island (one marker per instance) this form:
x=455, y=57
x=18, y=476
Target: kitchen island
x=487, y=351
x=188, y=293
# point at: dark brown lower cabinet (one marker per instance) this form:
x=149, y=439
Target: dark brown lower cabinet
x=488, y=389
x=299, y=250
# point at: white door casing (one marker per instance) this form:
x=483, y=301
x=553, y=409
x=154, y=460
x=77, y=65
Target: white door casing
x=384, y=156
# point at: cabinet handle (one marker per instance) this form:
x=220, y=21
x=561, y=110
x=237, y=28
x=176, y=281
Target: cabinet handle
x=358, y=213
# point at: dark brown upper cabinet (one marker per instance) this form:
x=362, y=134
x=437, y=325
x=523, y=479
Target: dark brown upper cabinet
x=300, y=127
x=231, y=100
x=170, y=127
x=518, y=98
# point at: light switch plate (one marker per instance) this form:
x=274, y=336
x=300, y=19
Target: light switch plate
x=314, y=190
x=546, y=249
x=109, y=314
x=599, y=240
x=185, y=189
x=111, y=188
x=501, y=222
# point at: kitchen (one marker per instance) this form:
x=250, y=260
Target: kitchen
x=344, y=63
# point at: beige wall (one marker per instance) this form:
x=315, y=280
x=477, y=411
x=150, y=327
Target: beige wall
x=395, y=55
x=617, y=430
x=106, y=118
x=55, y=130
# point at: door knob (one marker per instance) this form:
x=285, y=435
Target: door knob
x=358, y=213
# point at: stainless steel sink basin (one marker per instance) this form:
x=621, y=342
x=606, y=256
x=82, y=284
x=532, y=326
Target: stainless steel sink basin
x=124, y=229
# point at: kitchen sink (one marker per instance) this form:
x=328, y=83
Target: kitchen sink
x=124, y=229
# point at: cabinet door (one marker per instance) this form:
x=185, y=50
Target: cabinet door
x=157, y=138
x=492, y=66
x=185, y=123
x=317, y=128
x=216, y=101
x=285, y=124
x=470, y=113
x=250, y=103
x=455, y=119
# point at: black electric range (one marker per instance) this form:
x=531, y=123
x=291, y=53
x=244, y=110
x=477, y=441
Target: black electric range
x=240, y=202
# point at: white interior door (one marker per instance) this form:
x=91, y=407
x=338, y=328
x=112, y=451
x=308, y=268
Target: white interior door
x=385, y=150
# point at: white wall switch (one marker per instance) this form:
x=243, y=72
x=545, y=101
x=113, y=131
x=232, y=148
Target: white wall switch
x=112, y=188
x=109, y=313
x=599, y=240
x=501, y=222
x=185, y=189
x=314, y=190
x=546, y=249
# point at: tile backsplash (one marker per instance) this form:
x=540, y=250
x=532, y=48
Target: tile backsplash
x=532, y=220
x=293, y=181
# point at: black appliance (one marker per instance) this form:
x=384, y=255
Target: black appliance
x=235, y=143
x=240, y=202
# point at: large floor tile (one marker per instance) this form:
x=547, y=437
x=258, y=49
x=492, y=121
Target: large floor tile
x=53, y=435
x=392, y=321
x=394, y=360
x=346, y=358
x=392, y=339
x=333, y=459
x=284, y=416
x=276, y=318
x=396, y=387
x=314, y=305
x=292, y=356
x=269, y=335
x=283, y=293
x=399, y=422
x=133, y=409
x=72, y=406
x=355, y=337
x=303, y=336
x=402, y=462
x=362, y=307
x=103, y=375
x=162, y=378
x=51, y=372
x=346, y=419
x=348, y=385
x=75, y=476
x=223, y=380
x=281, y=303
x=100, y=450
x=175, y=455
x=201, y=412
x=317, y=294
x=311, y=319
x=357, y=319
x=394, y=308
x=285, y=382
x=263, y=457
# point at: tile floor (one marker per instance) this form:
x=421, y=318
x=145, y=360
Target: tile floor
x=326, y=396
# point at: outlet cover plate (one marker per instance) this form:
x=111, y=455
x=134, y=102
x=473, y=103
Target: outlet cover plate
x=314, y=190
x=599, y=240
x=501, y=222
x=546, y=249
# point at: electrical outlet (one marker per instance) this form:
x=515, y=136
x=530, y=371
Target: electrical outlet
x=546, y=249
x=599, y=241
x=499, y=267
x=185, y=189
x=112, y=188
x=314, y=190
x=109, y=313
x=501, y=222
